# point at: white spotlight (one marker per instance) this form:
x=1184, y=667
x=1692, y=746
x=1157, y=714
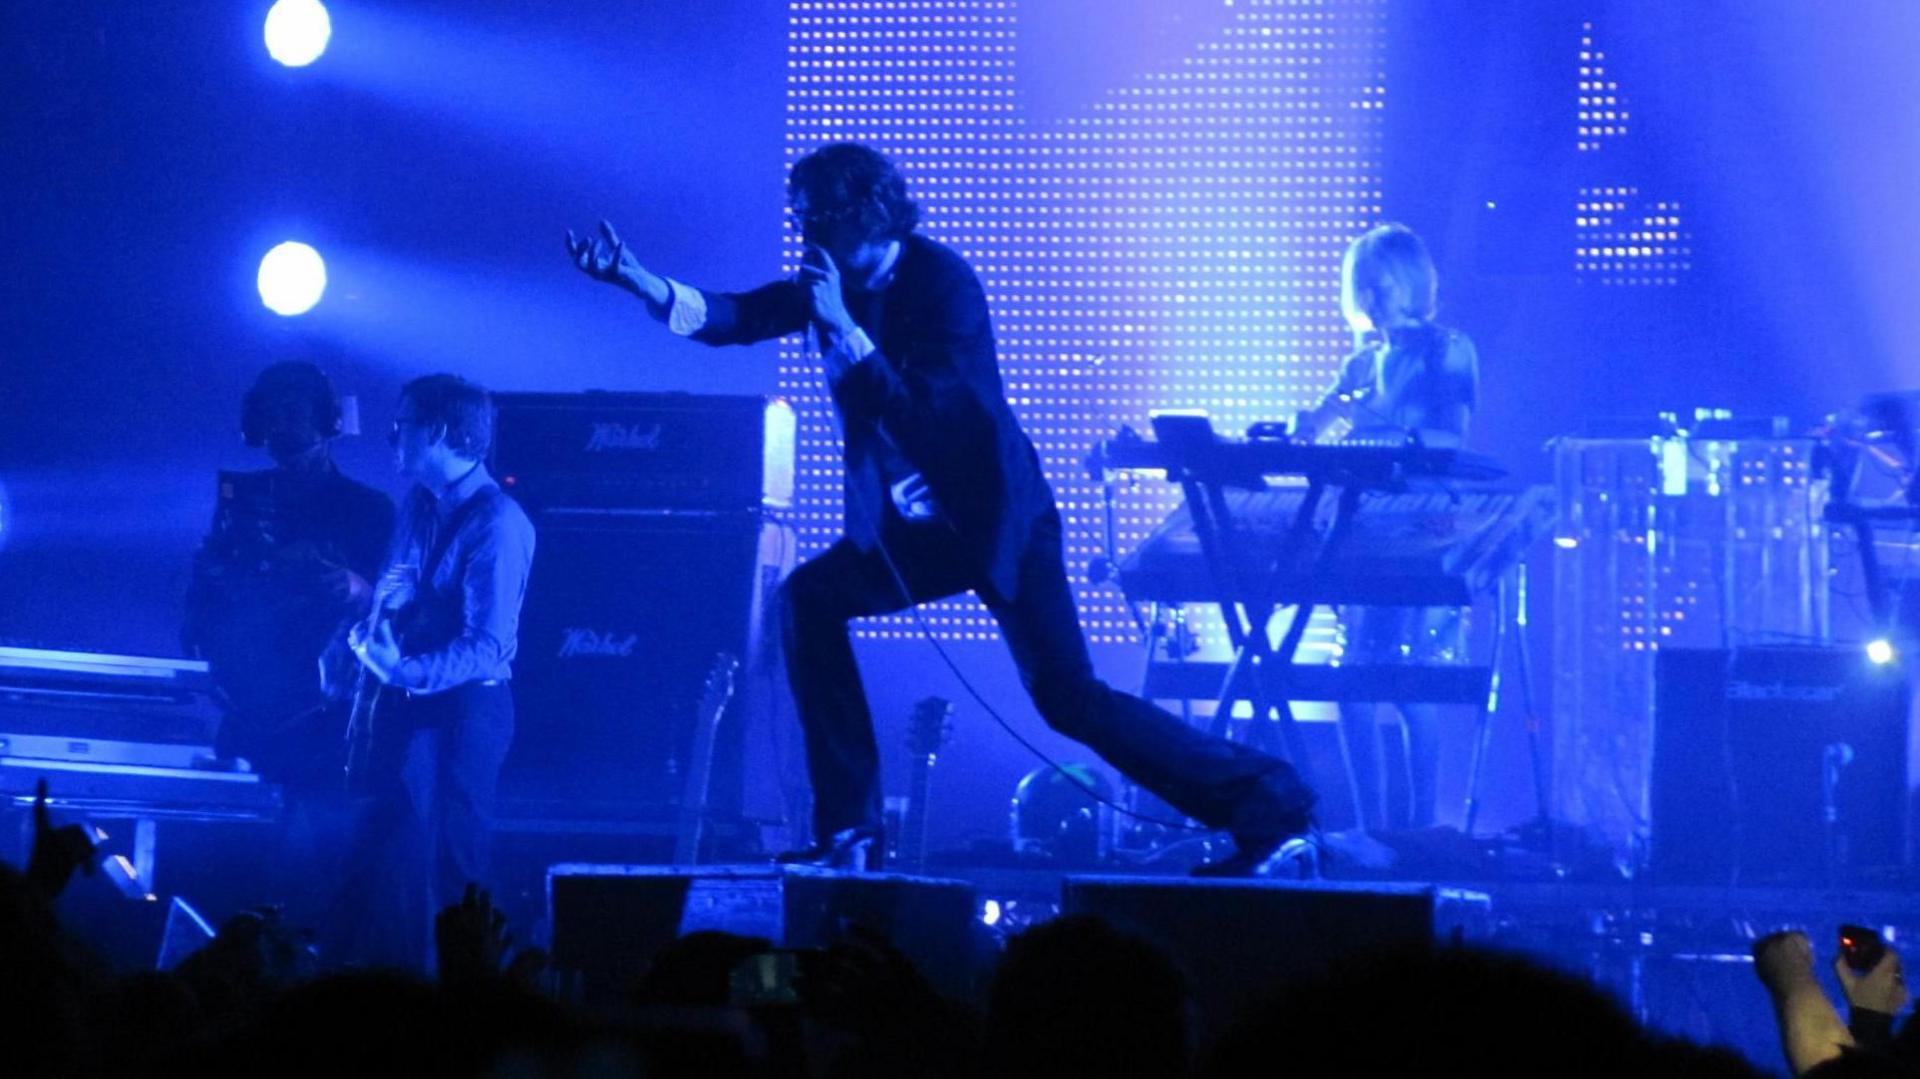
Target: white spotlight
x=1880, y=650
x=298, y=31
x=292, y=277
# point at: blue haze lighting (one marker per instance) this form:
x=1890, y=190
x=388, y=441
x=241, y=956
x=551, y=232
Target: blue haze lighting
x=292, y=278
x=297, y=31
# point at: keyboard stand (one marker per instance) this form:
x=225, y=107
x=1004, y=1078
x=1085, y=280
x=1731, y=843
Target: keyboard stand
x=1259, y=672
x=1247, y=585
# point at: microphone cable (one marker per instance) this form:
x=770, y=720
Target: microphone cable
x=927, y=633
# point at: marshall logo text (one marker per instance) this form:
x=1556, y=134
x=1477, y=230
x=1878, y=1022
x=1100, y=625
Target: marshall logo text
x=607, y=437
x=580, y=643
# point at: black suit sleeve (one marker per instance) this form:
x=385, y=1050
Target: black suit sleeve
x=932, y=383
x=775, y=309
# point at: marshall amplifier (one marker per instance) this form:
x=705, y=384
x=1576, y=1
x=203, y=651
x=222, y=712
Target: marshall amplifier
x=1778, y=765
x=666, y=452
x=624, y=620
x=655, y=555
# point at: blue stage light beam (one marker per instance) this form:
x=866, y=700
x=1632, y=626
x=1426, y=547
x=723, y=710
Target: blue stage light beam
x=292, y=278
x=297, y=31
x=528, y=328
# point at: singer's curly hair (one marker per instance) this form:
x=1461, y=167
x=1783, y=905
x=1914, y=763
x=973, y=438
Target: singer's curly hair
x=850, y=179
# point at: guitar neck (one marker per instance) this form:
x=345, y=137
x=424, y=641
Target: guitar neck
x=693, y=792
x=913, y=843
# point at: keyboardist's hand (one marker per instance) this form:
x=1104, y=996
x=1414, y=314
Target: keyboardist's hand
x=1328, y=422
x=57, y=852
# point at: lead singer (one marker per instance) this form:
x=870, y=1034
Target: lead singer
x=944, y=494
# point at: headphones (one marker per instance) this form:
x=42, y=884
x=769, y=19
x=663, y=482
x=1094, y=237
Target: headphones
x=264, y=407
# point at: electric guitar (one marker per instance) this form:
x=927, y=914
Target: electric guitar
x=714, y=698
x=372, y=700
x=927, y=734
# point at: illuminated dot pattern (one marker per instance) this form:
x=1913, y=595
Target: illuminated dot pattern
x=1621, y=237
x=1603, y=111
x=1176, y=245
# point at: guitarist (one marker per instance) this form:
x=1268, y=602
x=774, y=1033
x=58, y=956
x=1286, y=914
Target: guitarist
x=440, y=647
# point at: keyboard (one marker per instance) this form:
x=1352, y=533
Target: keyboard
x=1423, y=546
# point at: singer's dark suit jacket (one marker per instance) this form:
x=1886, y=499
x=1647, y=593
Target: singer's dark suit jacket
x=932, y=389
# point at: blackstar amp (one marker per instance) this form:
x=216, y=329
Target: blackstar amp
x=1779, y=765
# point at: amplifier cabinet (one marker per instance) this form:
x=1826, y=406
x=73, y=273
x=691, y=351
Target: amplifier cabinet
x=1778, y=765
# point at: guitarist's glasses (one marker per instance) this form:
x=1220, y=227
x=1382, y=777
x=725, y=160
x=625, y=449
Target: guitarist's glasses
x=399, y=425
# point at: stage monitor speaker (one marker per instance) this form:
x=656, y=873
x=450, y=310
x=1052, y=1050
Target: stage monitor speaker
x=1778, y=765
x=623, y=622
x=609, y=921
x=129, y=934
x=1240, y=941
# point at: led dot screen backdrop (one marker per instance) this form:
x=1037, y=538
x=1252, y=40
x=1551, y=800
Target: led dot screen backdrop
x=1622, y=234
x=1174, y=243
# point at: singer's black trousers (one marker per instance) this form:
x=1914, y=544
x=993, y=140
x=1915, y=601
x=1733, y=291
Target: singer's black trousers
x=1220, y=783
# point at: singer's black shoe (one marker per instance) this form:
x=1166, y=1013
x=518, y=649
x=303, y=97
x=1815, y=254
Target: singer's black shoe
x=1293, y=857
x=861, y=850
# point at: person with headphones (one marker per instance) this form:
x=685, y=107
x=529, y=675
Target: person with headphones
x=283, y=572
x=944, y=494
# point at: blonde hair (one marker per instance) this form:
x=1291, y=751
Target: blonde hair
x=1390, y=264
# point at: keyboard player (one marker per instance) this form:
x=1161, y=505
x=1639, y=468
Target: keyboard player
x=1408, y=373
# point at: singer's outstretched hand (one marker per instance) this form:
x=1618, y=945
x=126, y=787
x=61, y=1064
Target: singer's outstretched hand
x=605, y=258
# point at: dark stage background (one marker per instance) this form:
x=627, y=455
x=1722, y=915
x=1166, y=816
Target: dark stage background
x=153, y=152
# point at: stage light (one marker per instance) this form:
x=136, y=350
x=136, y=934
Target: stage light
x=990, y=912
x=1880, y=650
x=298, y=31
x=292, y=277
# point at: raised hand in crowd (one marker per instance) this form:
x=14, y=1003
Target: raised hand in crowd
x=474, y=945
x=57, y=852
x=471, y=937
x=1874, y=998
x=1811, y=1032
